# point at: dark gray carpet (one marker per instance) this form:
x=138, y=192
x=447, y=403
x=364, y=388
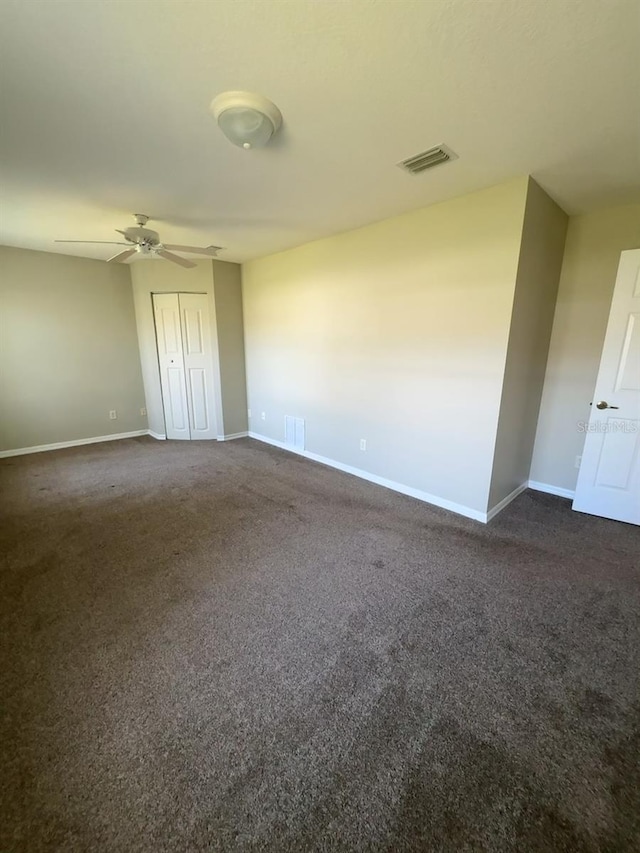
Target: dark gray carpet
x=226, y=647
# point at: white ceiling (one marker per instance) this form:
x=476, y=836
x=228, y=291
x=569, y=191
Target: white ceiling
x=104, y=110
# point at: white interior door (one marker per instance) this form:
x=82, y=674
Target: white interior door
x=609, y=477
x=198, y=364
x=171, y=362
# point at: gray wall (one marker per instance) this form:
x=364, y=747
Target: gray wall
x=69, y=352
x=592, y=253
x=541, y=250
x=396, y=333
x=227, y=286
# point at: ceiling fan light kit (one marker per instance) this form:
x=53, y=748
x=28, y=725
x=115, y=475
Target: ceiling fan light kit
x=144, y=241
x=247, y=119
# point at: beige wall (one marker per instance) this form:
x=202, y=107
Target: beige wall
x=396, y=333
x=68, y=350
x=227, y=284
x=592, y=252
x=541, y=251
x=221, y=282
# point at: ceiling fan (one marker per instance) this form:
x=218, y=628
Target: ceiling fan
x=144, y=241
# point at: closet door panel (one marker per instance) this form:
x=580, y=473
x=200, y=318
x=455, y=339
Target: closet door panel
x=198, y=363
x=166, y=309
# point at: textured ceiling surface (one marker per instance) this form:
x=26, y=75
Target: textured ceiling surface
x=104, y=110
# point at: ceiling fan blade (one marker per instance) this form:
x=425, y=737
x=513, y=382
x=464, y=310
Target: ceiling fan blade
x=101, y=242
x=121, y=256
x=175, y=258
x=196, y=250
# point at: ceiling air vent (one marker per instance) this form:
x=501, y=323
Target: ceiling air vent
x=433, y=157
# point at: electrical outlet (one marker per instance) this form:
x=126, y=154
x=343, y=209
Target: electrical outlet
x=578, y=461
x=248, y=413
x=143, y=411
x=263, y=416
x=113, y=415
x=363, y=444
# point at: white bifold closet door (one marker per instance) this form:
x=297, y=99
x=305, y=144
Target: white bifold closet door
x=185, y=359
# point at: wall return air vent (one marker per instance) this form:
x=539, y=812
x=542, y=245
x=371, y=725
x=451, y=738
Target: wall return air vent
x=433, y=157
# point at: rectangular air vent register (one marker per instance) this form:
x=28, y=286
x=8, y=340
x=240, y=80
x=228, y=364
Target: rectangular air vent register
x=294, y=432
x=428, y=159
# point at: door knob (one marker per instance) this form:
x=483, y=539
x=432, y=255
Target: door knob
x=604, y=405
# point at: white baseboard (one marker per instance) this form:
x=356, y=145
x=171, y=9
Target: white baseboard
x=59, y=445
x=506, y=501
x=420, y=495
x=551, y=490
x=468, y=512
x=232, y=435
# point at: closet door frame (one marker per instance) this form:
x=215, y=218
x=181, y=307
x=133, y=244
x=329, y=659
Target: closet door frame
x=186, y=365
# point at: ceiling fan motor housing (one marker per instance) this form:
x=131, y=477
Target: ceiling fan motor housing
x=141, y=235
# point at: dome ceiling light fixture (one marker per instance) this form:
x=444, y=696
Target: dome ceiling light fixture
x=247, y=119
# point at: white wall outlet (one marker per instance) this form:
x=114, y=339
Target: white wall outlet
x=143, y=411
x=263, y=416
x=578, y=461
x=113, y=415
x=248, y=413
x=363, y=444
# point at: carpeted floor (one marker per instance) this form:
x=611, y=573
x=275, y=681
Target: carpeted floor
x=225, y=647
